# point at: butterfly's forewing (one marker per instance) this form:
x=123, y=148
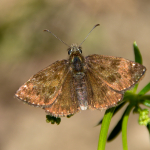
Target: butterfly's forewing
x=43, y=88
x=66, y=102
x=102, y=96
x=118, y=73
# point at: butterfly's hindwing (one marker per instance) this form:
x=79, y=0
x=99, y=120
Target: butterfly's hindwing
x=66, y=102
x=101, y=95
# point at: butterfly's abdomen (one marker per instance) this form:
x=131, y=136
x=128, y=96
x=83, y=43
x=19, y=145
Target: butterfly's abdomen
x=81, y=90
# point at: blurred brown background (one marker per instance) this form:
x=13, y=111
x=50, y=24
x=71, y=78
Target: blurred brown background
x=25, y=49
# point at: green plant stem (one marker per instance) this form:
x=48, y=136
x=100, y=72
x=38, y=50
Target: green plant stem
x=124, y=127
x=104, y=128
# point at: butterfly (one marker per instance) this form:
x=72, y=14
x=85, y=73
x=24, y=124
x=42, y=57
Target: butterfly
x=79, y=83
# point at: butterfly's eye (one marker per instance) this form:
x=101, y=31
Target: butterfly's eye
x=69, y=51
x=80, y=50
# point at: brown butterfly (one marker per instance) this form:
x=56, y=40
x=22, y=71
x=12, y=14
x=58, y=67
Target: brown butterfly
x=79, y=83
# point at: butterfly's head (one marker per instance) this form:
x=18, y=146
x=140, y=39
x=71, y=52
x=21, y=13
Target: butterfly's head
x=74, y=49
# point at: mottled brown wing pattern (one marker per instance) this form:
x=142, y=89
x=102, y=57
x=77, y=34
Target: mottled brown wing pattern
x=66, y=102
x=102, y=96
x=118, y=73
x=43, y=88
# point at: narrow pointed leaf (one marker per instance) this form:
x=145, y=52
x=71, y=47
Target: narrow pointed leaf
x=100, y=122
x=124, y=126
x=138, y=56
x=116, y=129
x=138, y=59
x=119, y=107
x=116, y=110
x=104, y=128
x=145, y=102
x=148, y=127
x=145, y=89
x=145, y=97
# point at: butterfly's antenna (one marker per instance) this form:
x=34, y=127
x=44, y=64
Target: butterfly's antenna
x=56, y=37
x=89, y=33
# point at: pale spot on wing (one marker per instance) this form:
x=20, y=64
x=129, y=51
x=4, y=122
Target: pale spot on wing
x=83, y=107
x=25, y=86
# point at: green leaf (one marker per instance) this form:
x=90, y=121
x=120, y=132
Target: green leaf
x=145, y=89
x=138, y=56
x=144, y=97
x=148, y=127
x=104, y=128
x=100, y=122
x=116, y=110
x=116, y=129
x=145, y=102
x=124, y=126
x=138, y=59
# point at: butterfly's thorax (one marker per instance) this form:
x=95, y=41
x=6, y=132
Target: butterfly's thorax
x=77, y=64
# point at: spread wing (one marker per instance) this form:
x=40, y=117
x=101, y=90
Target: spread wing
x=118, y=73
x=66, y=102
x=43, y=88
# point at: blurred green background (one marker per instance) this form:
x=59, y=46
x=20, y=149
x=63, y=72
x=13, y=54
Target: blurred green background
x=25, y=49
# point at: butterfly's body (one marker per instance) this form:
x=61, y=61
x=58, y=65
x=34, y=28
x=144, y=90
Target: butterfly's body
x=79, y=83
x=77, y=65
